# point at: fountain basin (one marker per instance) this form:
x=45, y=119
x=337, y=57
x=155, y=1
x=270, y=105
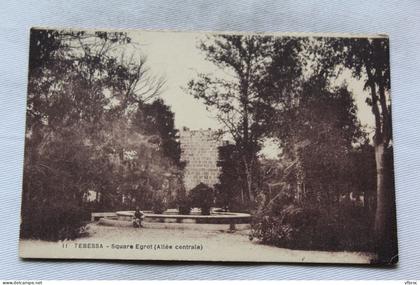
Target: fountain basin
x=195, y=218
x=171, y=219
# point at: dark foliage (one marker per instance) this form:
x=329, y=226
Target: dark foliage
x=157, y=118
x=53, y=222
x=238, y=99
x=324, y=145
x=314, y=228
x=80, y=142
x=229, y=189
x=158, y=205
x=202, y=196
x=325, y=218
x=184, y=203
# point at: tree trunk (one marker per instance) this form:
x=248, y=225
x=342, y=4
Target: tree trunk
x=385, y=216
x=300, y=176
x=381, y=203
x=248, y=180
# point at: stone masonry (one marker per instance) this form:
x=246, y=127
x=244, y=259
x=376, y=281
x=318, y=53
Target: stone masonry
x=200, y=153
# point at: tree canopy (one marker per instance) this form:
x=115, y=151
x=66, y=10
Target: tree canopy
x=83, y=133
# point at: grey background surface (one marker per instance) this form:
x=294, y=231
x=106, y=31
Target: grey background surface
x=399, y=19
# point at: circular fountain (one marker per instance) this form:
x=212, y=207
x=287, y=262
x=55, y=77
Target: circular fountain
x=217, y=217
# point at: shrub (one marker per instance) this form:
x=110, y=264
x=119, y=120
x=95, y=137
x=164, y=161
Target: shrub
x=202, y=196
x=53, y=222
x=291, y=227
x=184, y=205
x=311, y=228
x=228, y=202
x=158, y=204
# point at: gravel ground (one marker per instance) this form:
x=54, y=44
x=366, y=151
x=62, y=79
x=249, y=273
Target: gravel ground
x=177, y=242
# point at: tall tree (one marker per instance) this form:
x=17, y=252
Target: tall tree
x=316, y=126
x=368, y=58
x=158, y=119
x=228, y=190
x=327, y=120
x=79, y=89
x=238, y=97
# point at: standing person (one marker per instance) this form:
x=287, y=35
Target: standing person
x=138, y=218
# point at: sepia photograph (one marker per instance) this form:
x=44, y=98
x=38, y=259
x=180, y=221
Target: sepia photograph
x=208, y=146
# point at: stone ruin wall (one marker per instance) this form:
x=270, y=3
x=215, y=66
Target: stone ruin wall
x=200, y=152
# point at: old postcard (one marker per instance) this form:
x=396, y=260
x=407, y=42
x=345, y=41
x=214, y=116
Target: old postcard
x=198, y=146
